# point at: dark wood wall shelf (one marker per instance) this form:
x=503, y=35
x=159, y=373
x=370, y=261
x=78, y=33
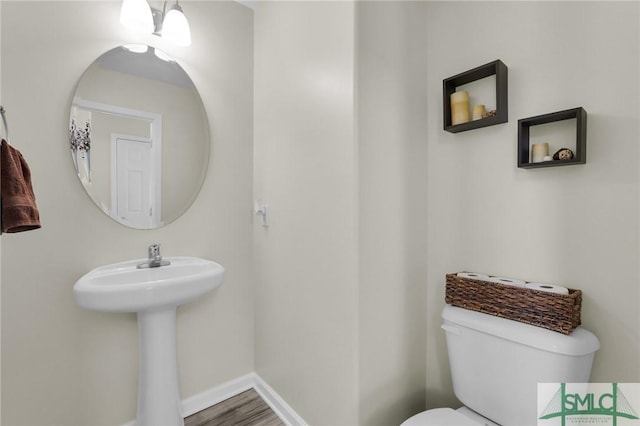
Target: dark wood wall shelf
x=580, y=153
x=497, y=68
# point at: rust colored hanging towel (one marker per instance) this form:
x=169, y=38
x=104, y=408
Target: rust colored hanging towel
x=19, y=210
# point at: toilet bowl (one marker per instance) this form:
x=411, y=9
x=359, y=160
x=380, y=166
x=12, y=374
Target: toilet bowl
x=447, y=417
x=492, y=359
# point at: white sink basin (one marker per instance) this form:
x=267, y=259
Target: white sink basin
x=121, y=287
x=154, y=293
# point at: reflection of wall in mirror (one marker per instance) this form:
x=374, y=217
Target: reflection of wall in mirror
x=184, y=155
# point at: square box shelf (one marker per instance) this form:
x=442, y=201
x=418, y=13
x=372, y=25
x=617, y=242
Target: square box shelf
x=497, y=68
x=580, y=154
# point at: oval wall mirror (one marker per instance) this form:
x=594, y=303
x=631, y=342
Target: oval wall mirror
x=139, y=136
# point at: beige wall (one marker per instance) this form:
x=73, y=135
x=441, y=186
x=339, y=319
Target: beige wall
x=341, y=129
x=340, y=282
x=574, y=225
x=68, y=366
x=392, y=132
x=305, y=262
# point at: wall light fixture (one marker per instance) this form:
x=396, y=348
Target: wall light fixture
x=139, y=16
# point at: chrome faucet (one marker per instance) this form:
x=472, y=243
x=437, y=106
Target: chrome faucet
x=155, y=258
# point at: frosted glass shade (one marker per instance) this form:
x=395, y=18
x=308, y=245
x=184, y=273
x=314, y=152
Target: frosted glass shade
x=176, y=28
x=136, y=15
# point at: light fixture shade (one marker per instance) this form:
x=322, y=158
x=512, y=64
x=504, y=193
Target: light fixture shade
x=136, y=15
x=176, y=28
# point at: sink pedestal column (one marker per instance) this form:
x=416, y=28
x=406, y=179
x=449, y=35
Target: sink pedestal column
x=159, y=401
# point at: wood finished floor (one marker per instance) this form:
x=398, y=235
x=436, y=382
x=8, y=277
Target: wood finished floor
x=244, y=409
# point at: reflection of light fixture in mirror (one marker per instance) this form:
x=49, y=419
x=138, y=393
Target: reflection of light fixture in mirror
x=161, y=55
x=136, y=48
x=172, y=25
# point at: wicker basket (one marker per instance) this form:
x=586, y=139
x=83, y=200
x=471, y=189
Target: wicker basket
x=553, y=311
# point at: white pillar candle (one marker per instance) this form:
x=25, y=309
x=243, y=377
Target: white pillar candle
x=539, y=151
x=478, y=111
x=459, y=107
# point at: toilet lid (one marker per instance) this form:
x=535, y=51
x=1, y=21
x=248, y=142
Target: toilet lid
x=439, y=417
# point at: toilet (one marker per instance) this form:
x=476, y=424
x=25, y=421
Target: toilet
x=496, y=365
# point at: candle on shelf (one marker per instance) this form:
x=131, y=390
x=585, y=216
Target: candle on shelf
x=539, y=151
x=478, y=112
x=459, y=107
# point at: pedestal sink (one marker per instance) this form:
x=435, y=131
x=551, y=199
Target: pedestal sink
x=154, y=293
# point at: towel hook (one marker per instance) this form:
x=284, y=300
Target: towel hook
x=4, y=122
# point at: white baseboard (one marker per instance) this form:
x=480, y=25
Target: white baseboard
x=233, y=387
x=216, y=395
x=277, y=404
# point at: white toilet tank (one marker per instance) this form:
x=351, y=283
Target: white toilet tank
x=496, y=363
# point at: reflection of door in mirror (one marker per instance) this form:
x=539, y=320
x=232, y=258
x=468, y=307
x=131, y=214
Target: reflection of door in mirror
x=134, y=181
x=126, y=162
